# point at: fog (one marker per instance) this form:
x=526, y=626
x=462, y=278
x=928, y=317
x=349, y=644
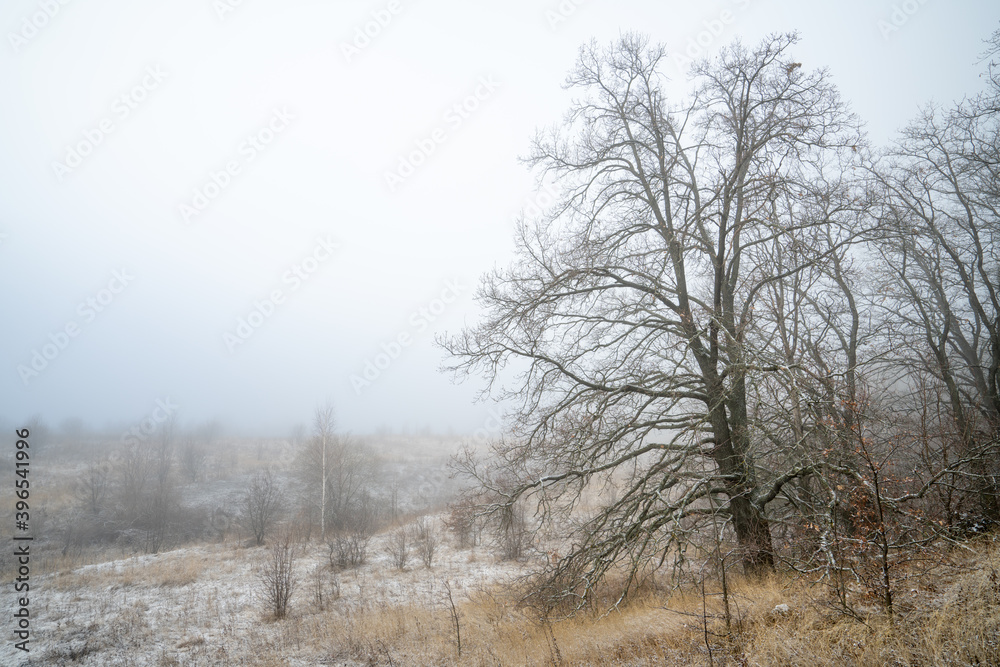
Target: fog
x=245, y=209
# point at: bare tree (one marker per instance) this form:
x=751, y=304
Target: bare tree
x=942, y=230
x=193, y=453
x=633, y=305
x=463, y=523
x=41, y=434
x=260, y=504
x=192, y=458
x=92, y=488
x=134, y=470
x=337, y=473
x=324, y=431
x=160, y=505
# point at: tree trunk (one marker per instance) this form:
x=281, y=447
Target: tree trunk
x=753, y=534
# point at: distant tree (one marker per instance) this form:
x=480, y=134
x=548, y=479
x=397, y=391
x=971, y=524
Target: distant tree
x=324, y=431
x=133, y=471
x=260, y=504
x=337, y=473
x=72, y=428
x=193, y=452
x=192, y=458
x=41, y=434
x=92, y=487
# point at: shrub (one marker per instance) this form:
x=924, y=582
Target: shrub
x=276, y=576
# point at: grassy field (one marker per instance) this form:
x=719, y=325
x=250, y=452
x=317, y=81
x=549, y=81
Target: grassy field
x=200, y=606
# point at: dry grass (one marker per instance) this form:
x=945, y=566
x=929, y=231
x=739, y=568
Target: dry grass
x=946, y=617
x=492, y=634
x=960, y=624
x=161, y=571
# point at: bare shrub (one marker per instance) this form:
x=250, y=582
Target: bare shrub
x=326, y=586
x=349, y=550
x=83, y=530
x=276, y=576
x=159, y=516
x=427, y=541
x=399, y=548
x=220, y=522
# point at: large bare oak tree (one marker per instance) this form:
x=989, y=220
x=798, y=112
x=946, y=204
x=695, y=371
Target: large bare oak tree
x=631, y=312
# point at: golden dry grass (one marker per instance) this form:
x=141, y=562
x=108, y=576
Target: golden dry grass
x=166, y=570
x=960, y=624
x=492, y=634
x=948, y=616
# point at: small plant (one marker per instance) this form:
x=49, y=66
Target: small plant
x=454, y=618
x=276, y=575
x=349, y=550
x=427, y=541
x=399, y=548
x=326, y=587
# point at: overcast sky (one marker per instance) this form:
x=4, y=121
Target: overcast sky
x=214, y=204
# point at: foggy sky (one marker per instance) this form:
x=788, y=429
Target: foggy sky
x=205, y=201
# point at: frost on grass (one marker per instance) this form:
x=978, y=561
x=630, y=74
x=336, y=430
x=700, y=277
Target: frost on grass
x=201, y=605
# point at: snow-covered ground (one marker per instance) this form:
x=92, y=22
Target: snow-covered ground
x=200, y=605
